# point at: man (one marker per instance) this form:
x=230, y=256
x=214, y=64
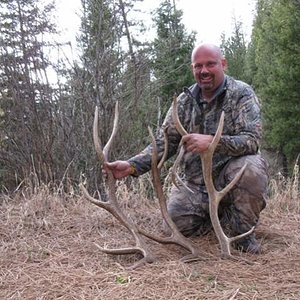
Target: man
x=199, y=109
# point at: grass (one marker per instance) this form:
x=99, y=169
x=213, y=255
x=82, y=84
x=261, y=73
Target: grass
x=48, y=251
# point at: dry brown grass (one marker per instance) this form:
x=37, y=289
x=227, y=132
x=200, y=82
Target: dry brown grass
x=48, y=252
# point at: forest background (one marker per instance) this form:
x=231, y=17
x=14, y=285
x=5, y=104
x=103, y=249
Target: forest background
x=48, y=231
x=46, y=124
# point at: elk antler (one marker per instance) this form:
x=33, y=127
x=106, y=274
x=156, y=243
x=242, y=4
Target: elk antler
x=176, y=236
x=112, y=205
x=214, y=196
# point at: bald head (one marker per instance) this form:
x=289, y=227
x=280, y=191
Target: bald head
x=207, y=49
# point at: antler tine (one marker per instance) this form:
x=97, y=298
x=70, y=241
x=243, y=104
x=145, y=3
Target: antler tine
x=176, y=236
x=114, y=131
x=163, y=159
x=174, y=175
x=97, y=142
x=103, y=154
x=218, y=133
x=183, y=132
x=175, y=117
x=214, y=196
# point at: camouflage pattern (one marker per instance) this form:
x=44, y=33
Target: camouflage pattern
x=239, y=210
x=240, y=138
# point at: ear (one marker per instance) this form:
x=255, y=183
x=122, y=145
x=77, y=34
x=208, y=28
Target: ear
x=224, y=64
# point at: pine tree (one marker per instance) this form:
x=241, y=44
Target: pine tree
x=235, y=52
x=277, y=57
x=172, y=50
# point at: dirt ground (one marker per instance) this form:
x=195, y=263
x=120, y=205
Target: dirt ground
x=47, y=246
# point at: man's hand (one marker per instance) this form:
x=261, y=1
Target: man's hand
x=195, y=142
x=119, y=168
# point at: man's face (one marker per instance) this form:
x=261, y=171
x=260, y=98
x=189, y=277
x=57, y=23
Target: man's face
x=208, y=69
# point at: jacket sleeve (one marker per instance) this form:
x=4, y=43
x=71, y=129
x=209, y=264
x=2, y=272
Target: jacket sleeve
x=142, y=161
x=247, y=127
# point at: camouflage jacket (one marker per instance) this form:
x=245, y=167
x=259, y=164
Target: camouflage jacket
x=241, y=134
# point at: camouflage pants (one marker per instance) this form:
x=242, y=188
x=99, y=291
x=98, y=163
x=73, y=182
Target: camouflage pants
x=239, y=210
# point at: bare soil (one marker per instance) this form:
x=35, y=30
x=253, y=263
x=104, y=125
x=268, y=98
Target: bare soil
x=47, y=246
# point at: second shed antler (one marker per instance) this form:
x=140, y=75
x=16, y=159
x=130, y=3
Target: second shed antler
x=176, y=236
x=214, y=196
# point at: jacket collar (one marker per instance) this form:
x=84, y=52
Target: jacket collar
x=194, y=91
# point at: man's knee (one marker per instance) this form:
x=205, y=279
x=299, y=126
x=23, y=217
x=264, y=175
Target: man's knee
x=253, y=184
x=248, y=197
x=189, y=211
